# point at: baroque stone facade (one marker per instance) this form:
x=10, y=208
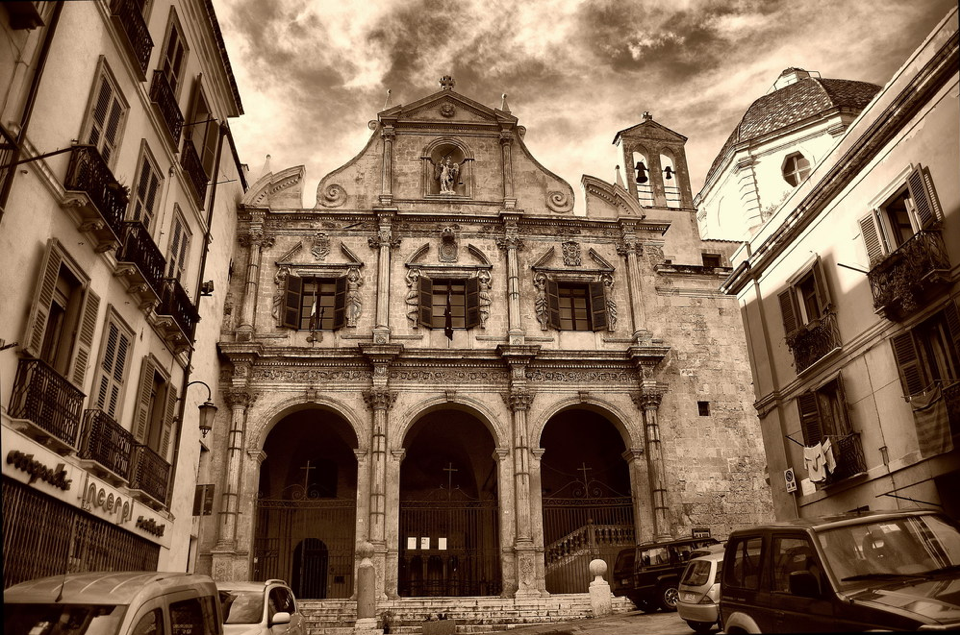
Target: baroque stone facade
x=441, y=360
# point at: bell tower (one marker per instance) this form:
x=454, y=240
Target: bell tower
x=656, y=165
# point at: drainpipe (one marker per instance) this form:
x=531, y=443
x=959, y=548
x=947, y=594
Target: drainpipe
x=28, y=106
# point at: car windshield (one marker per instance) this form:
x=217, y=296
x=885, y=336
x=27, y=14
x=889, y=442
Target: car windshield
x=241, y=607
x=61, y=619
x=913, y=546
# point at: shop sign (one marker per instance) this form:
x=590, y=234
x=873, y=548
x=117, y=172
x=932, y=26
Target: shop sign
x=97, y=498
x=56, y=476
x=151, y=526
x=701, y=532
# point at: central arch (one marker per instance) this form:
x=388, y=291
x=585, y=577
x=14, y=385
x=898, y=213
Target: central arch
x=448, y=513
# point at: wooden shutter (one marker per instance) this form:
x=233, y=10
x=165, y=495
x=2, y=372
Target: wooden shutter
x=291, y=302
x=112, y=370
x=179, y=244
x=951, y=315
x=106, y=119
x=908, y=363
x=141, y=421
x=340, y=303
x=870, y=231
x=84, y=337
x=809, y=418
x=173, y=58
x=598, y=306
x=553, y=302
x=820, y=285
x=42, y=297
x=788, y=311
x=145, y=196
x=924, y=200
x=472, y=314
x=426, y=301
x=169, y=418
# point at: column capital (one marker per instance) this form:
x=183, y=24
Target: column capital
x=388, y=132
x=649, y=399
x=257, y=237
x=506, y=243
x=239, y=398
x=379, y=398
x=506, y=137
x=398, y=455
x=362, y=454
x=519, y=399
x=629, y=245
x=632, y=454
x=499, y=454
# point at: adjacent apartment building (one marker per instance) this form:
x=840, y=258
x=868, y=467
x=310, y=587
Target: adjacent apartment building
x=118, y=193
x=849, y=297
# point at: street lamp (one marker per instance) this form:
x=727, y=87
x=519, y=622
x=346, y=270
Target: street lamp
x=207, y=409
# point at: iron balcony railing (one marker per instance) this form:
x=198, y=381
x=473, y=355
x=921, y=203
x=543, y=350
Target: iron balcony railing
x=900, y=280
x=162, y=95
x=139, y=249
x=45, y=397
x=848, y=454
x=190, y=161
x=89, y=173
x=149, y=473
x=175, y=302
x=106, y=442
x=814, y=341
x=130, y=17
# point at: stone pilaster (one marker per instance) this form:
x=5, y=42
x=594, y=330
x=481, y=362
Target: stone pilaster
x=511, y=243
x=506, y=153
x=388, y=134
x=648, y=401
x=641, y=502
x=536, y=513
x=508, y=557
x=383, y=243
x=255, y=241
x=392, y=569
x=631, y=249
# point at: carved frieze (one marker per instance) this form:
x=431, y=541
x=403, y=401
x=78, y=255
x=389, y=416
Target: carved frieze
x=581, y=376
x=448, y=375
x=308, y=375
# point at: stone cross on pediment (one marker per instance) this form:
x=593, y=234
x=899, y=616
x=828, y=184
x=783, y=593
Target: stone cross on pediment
x=447, y=82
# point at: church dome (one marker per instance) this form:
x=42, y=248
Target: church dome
x=799, y=98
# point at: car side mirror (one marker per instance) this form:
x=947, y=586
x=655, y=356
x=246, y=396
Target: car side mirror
x=280, y=617
x=804, y=584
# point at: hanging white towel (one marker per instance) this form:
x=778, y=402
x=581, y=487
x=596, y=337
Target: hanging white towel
x=829, y=460
x=814, y=461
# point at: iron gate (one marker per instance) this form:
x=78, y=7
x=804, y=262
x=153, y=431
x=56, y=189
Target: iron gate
x=308, y=541
x=449, y=548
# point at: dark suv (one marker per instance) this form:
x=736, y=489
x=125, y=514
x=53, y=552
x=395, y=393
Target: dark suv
x=649, y=574
x=891, y=571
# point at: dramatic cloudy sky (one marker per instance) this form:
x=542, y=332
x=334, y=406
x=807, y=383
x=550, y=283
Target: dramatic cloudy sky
x=313, y=73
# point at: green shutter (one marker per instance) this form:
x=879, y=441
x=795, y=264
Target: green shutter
x=472, y=316
x=908, y=363
x=553, y=302
x=340, y=303
x=291, y=303
x=809, y=418
x=43, y=296
x=426, y=301
x=788, y=311
x=598, y=306
x=84, y=337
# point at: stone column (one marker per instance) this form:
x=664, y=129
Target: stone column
x=256, y=242
x=656, y=178
x=508, y=559
x=634, y=459
x=388, y=134
x=649, y=402
x=519, y=401
x=363, y=501
x=511, y=243
x=506, y=153
x=383, y=243
x=392, y=572
x=631, y=249
x=536, y=517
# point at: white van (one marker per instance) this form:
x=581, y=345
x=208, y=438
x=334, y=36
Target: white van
x=114, y=603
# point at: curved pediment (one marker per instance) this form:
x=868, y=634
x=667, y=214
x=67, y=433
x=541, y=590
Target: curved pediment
x=281, y=190
x=608, y=200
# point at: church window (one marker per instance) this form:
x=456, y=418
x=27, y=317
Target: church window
x=913, y=207
x=315, y=304
x=576, y=306
x=796, y=168
x=453, y=303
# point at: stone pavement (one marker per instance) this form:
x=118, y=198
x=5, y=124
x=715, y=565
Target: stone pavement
x=633, y=623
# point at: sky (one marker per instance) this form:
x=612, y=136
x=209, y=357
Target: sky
x=311, y=74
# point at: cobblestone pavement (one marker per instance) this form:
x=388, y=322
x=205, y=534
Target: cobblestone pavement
x=634, y=623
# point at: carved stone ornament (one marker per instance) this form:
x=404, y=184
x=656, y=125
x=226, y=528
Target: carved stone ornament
x=571, y=253
x=648, y=399
x=379, y=399
x=413, y=297
x=321, y=246
x=256, y=236
x=354, y=299
x=280, y=280
x=540, y=302
x=655, y=254
x=510, y=242
x=607, y=280
x=519, y=400
x=628, y=246
x=448, y=110
x=484, y=279
x=239, y=398
x=559, y=202
x=383, y=238
x=448, y=244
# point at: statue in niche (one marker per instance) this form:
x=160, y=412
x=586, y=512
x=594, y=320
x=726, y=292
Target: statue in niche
x=280, y=281
x=484, y=277
x=413, y=297
x=540, y=304
x=448, y=173
x=354, y=304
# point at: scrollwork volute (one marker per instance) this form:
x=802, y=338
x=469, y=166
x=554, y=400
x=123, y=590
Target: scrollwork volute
x=648, y=399
x=559, y=202
x=379, y=398
x=519, y=399
x=239, y=398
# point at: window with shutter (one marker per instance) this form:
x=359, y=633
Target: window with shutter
x=552, y=290
x=179, y=244
x=340, y=303
x=203, y=128
x=823, y=412
x=156, y=408
x=472, y=317
x=809, y=418
x=291, y=302
x=146, y=398
x=912, y=207
x=111, y=372
x=426, y=301
x=174, y=54
x=107, y=115
x=908, y=363
x=143, y=201
x=315, y=304
x=598, y=306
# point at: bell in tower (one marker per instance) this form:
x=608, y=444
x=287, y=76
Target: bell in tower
x=661, y=178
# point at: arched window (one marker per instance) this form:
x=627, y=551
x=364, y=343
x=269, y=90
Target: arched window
x=796, y=168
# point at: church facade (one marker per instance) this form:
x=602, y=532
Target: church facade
x=440, y=366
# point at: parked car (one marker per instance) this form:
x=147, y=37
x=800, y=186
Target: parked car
x=260, y=608
x=854, y=572
x=649, y=573
x=699, y=589
x=113, y=603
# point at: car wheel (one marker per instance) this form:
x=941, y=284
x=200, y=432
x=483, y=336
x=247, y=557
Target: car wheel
x=667, y=597
x=645, y=605
x=700, y=627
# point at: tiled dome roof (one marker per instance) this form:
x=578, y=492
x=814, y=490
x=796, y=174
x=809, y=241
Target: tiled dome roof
x=796, y=102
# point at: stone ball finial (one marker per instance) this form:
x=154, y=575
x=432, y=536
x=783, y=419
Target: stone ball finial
x=598, y=568
x=365, y=549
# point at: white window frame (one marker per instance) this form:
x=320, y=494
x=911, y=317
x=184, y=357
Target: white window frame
x=105, y=145
x=112, y=369
x=179, y=249
x=174, y=26
x=136, y=199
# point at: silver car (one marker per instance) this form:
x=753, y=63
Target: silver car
x=700, y=592
x=260, y=608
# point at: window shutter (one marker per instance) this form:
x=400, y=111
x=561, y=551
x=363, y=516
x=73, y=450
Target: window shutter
x=809, y=418
x=112, y=370
x=84, y=342
x=788, y=311
x=43, y=296
x=101, y=108
x=142, y=419
x=927, y=209
x=908, y=363
x=426, y=301
x=145, y=197
x=844, y=423
x=291, y=305
x=111, y=137
x=472, y=315
x=952, y=316
x=169, y=417
x=173, y=59
x=553, y=302
x=340, y=303
x=871, y=237
x=598, y=306
x=823, y=291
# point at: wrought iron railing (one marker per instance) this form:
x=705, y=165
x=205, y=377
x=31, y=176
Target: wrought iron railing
x=89, y=173
x=138, y=248
x=45, y=397
x=130, y=17
x=848, y=454
x=106, y=442
x=814, y=340
x=190, y=161
x=175, y=302
x=149, y=473
x=899, y=280
x=166, y=101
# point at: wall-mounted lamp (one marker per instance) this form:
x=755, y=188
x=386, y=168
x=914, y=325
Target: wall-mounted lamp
x=208, y=410
x=206, y=288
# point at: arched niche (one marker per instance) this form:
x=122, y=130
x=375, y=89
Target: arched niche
x=452, y=153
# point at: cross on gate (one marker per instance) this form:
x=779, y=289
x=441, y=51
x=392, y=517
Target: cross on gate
x=450, y=470
x=585, y=469
x=306, y=476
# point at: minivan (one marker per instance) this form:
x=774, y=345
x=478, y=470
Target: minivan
x=897, y=570
x=649, y=573
x=113, y=603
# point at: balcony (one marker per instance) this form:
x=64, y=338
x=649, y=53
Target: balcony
x=177, y=317
x=99, y=199
x=50, y=404
x=149, y=475
x=127, y=16
x=105, y=447
x=140, y=264
x=848, y=453
x=902, y=282
x=166, y=103
x=814, y=341
x=191, y=163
